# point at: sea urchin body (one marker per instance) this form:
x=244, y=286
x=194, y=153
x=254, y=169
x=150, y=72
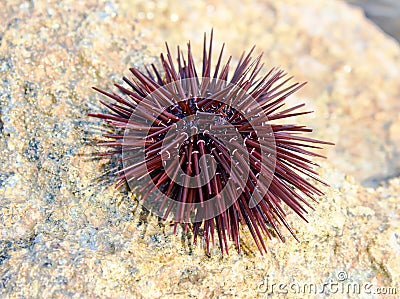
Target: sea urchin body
x=204, y=149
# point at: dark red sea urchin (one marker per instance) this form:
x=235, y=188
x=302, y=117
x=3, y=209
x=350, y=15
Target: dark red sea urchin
x=205, y=151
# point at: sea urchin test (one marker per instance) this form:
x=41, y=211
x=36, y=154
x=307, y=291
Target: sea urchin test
x=209, y=149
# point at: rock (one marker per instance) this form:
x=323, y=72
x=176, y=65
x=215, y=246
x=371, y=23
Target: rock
x=394, y=132
x=385, y=13
x=67, y=232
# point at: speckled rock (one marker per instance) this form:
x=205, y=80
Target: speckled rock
x=67, y=232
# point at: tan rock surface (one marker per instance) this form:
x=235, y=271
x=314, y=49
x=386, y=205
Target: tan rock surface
x=65, y=230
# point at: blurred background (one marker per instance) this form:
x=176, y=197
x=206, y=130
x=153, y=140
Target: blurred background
x=385, y=13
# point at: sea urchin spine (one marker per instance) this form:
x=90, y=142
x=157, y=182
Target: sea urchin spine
x=205, y=150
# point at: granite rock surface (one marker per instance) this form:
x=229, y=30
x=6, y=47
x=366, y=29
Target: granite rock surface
x=67, y=232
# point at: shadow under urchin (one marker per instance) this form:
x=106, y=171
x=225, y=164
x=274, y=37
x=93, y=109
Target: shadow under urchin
x=204, y=150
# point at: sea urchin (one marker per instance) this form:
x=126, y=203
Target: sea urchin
x=206, y=150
